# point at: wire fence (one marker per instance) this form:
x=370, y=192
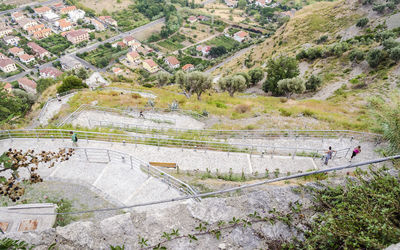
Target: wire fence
x=261, y=150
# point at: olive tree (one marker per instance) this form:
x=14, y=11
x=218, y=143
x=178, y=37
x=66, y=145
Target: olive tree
x=232, y=84
x=292, y=85
x=162, y=78
x=193, y=82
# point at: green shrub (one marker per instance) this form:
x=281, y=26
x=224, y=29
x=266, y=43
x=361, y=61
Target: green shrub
x=71, y=82
x=356, y=55
x=375, y=57
x=362, y=22
x=395, y=54
x=313, y=83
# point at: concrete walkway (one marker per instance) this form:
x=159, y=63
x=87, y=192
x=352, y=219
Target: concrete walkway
x=52, y=108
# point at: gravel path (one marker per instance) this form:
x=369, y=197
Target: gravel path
x=52, y=108
x=158, y=120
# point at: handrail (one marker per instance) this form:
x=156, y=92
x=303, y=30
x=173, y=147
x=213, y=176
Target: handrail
x=218, y=192
x=165, y=142
x=212, y=132
x=143, y=166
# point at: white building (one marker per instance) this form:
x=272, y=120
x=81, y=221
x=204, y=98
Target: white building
x=75, y=15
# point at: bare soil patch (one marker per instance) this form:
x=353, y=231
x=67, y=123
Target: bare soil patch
x=108, y=5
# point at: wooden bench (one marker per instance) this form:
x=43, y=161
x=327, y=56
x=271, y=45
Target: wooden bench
x=164, y=164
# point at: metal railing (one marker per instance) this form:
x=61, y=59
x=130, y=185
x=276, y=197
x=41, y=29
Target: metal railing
x=261, y=150
x=107, y=156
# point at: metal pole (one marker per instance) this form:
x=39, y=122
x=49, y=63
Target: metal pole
x=87, y=158
x=108, y=154
x=294, y=153
x=9, y=135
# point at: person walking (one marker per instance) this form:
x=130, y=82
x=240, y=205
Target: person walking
x=356, y=151
x=328, y=155
x=74, y=139
x=141, y=114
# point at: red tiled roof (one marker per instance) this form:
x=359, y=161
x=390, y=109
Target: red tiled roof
x=68, y=9
x=172, y=60
x=134, y=54
x=26, y=57
x=187, y=66
x=15, y=50
x=42, y=9
x=27, y=82
x=5, y=62
x=151, y=63
x=241, y=34
x=36, y=48
x=76, y=33
x=51, y=71
x=7, y=86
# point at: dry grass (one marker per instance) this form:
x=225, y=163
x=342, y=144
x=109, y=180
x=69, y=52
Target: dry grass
x=201, y=32
x=224, y=12
x=108, y=5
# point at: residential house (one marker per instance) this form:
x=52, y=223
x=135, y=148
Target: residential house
x=51, y=17
x=58, y=6
x=117, y=71
x=8, y=87
x=96, y=80
x=38, y=51
x=16, y=16
x=2, y=56
x=42, y=10
x=67, y=9
x=150, y=66
x=11, y=40
x=25, y=58
x=97, y=25
x=172, y=62
x=27, y=84
x=108, y=20
x=231, y=3
x=129, y=40
x=77, y=36
x=42, y=33
x=35, y=28
x=262, y=3
x=202, y=18
x=204, y=49
x=70, y=63
x=15, y=51
x=240, y=36
x=192, y=19
x=25, y=23
x=142, y=50
x=50, y=72
x=188, y=67
x=63, y=24
x=135, y=45
x=75, y=15
x=120, y=44
x=7, y=65
x=5, y=31
x=133, y=57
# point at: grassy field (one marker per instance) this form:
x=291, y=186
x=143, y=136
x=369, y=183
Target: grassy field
x=129, y=19
x=109, y=5
x=269, y=112
x=102, y=56
x=56, y=44
x=227, y=42
x=173, y=43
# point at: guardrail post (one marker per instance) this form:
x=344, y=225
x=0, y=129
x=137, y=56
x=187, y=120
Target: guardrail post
x=87, y=158
x=108, y=154
x=272, y=153
x=148, y=170
x=294, y=153
x=130, y=157
x=52, y=137
x=37, y=136
x=9, y=135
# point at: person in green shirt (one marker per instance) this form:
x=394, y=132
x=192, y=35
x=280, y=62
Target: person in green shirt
x=74, y=139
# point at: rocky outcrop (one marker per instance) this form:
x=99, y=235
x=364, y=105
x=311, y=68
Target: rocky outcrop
x=129, y=228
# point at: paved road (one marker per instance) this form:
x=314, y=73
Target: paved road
x=229, y=59
x=31, y=4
